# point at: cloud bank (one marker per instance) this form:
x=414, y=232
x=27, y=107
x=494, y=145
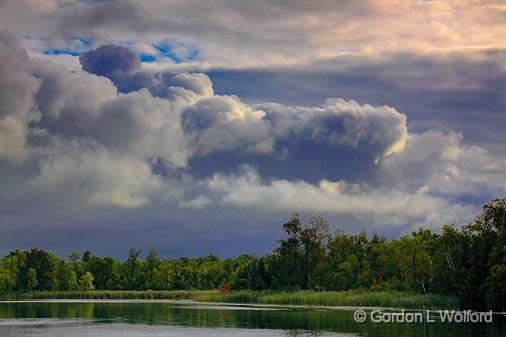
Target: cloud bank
x=92, y=140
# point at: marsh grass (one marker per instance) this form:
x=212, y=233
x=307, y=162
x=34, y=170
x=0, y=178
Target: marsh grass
x=355, y=298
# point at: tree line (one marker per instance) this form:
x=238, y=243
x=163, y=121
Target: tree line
x=465, y=261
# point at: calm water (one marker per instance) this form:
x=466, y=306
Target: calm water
x=132, y=319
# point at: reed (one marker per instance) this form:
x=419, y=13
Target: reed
x=355, y=298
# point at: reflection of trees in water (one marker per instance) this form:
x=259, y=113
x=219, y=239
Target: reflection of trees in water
x=293, y=322
x=47, y=310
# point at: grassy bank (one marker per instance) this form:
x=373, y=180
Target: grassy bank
x=393, y=299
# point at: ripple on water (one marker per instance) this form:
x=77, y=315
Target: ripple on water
x=83, y=328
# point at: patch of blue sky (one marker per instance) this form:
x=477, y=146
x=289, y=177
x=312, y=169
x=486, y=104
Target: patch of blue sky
x=148, y=58
x=63, y=51
x=177, y=52
x=71, y=45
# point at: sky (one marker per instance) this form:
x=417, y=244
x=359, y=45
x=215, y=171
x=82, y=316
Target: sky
x=198, y=127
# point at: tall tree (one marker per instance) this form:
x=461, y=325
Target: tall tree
x=288, y=270
x=133, y=266
x=45, y=266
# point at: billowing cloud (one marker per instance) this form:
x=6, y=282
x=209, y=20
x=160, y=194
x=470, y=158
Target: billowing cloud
x=440, y=164
x=445, y=92
x=189, y=122
x=339, y=122
x=214, y=124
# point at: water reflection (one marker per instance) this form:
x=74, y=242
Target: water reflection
x=289, y=322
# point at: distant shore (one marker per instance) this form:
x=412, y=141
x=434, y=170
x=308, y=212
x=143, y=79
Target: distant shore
x=355, y=298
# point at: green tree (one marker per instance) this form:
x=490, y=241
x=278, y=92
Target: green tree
x=163, y=276
x=67, y=277
x=86, y=256
x=75, y=257
x=152, y=262
x=5, y=284
x=314, y=238
x=105, y=272
x=341, y=263
x=134, y=273
x=86, y=281
x=31, y=279
x=72, y=281
x=9, y=269
x=488, y=260
x=361, y=251
x=45, y=266
x=289, y=260
x=382, y=263
x=451, y=261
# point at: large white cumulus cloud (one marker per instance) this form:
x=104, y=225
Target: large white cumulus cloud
x=187, y=119
x=217, y=123
x=74, y=137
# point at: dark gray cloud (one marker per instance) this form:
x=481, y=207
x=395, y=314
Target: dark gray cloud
x=123, y=67
x=110, y=60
